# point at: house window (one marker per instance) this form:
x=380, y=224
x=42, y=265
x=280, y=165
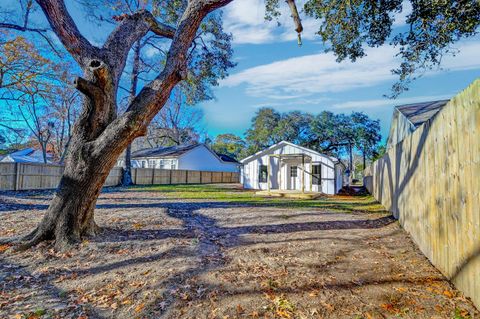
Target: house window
x=317, y=174
x=144, y=164
x=293, y=171
x=262, y=174
x=151, y=163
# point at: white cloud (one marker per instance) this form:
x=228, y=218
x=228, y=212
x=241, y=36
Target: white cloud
x=401, y=18
x=317, y=73
x=320, y=73
x=377, y=103
x=245, y=19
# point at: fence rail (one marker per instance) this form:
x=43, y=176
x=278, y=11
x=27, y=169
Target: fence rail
x=31, y=176
x=430, y=182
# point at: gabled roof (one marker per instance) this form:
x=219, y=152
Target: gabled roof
x=419, y=113
x=227, y=158
x=26, y=155
x=170, y=151
x=178, y=150
x=23, y=152
x=266, y=151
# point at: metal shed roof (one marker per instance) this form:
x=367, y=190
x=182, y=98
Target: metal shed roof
x=419, y=113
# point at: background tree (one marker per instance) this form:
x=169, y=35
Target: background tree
x=177, y=123
x=22, y=67
x=263, y=125
x=64, y=103
x=332, y=134
x=229, y=144
x=367, y=133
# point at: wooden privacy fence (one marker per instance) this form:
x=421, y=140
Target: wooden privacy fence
x=29, y=176
x=149, y=176
x=430, y=182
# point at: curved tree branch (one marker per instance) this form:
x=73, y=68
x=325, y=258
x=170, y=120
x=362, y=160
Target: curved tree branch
x=64, y=27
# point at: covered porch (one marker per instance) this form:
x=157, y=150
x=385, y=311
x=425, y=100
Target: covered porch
x=291, y=176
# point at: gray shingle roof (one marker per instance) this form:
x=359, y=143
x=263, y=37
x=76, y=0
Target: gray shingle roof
x=170, y=151
x=419, y=113
x=227, y=158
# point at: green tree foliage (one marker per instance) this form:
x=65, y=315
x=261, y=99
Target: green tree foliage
x=433, y=26
x=326, y=132
x=229, y=144
x=261, y=133
x=367, y=134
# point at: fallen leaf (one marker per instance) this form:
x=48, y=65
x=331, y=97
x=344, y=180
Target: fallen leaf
x=4, y=248
x=139, y=307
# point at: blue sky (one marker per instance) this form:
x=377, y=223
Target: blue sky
x=274, y=71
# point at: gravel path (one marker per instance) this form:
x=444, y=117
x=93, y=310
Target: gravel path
x=162, y=257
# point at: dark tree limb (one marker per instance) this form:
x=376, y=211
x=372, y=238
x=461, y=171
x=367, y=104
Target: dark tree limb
x=88, y=88
x=64, y=27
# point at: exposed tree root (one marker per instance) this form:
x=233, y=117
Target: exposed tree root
x=9, y=240
x=62, y=240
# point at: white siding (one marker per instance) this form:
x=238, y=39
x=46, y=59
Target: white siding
x=202, y=159
x=330, y=182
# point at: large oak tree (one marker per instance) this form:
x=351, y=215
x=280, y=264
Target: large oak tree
x=100, y=134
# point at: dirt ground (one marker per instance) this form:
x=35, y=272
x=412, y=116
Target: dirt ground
x=166, y=257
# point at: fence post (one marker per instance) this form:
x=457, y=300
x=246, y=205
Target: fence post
x=153, y=175
x=170, y=177
x=17, y=176
x=201, y=173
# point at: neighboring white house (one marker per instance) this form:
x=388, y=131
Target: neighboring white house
x=286, y=166
x=189, y=157
x=27, y=155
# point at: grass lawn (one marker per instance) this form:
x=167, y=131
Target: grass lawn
x=234, y=194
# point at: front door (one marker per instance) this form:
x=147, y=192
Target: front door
x=293, y=174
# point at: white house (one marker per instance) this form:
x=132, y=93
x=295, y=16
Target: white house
x=26, y=155
x=286, y=166
x=189, y=157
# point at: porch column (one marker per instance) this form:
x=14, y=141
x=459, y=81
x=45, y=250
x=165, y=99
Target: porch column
x=279, y=172
x=268, y=174
x=311, y=175
x=303, y=173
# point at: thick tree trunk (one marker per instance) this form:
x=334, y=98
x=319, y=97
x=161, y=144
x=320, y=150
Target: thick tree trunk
x=70, y=215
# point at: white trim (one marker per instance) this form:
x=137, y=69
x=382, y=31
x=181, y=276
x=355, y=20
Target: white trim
x=179, y=156
x=265, y=151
